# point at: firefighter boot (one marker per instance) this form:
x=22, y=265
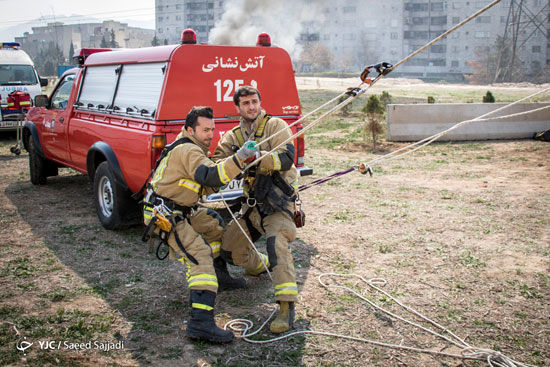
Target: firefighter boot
x=202, y=325
x=225, y=280
x=285, y=318
x=260, y=269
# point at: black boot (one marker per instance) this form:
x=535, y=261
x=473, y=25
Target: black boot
x=202, y=325
x=225, y=280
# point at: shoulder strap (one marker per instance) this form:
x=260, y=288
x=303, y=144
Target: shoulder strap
x=238, y=135
x=167, y=149
x=163, y=155
x=261, y=128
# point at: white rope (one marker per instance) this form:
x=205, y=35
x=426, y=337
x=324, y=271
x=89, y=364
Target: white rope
x=467, y=352
x=360, y=90
x=243, y=326
x=421, y=143
x=246, y=235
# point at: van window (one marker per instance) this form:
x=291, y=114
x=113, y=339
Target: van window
x=61, y=95
x=17, y=75
x=139, y=87
x=98, y=86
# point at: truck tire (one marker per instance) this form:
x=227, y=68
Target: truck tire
x=112, y=201
x=37, y=165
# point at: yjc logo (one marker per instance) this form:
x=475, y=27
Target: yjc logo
x=23, y=345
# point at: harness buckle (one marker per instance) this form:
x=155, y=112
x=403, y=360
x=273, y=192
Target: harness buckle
x=251, y=202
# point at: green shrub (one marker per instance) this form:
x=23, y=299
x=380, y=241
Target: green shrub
x=385, y=99
x=347, y=108
x=488, y=97
x=373, y=122
x=431, y=99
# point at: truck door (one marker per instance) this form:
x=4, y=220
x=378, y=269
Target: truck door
x=56, y=120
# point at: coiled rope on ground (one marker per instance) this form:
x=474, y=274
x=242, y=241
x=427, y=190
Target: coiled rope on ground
x=243, y=327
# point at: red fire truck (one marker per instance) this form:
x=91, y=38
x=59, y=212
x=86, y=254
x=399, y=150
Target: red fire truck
x=111, y=117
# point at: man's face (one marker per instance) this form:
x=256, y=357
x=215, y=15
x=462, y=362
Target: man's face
x=203, y=131
x=249, y=107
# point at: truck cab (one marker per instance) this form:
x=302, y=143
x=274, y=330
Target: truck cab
x=111, y=117
x=17, y=73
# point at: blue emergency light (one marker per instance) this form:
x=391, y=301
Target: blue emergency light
x=14, y=45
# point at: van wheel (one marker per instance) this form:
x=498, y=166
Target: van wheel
x=37, y=165
x=111, y=200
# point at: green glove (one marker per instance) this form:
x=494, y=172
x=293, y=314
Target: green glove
x=248, y=150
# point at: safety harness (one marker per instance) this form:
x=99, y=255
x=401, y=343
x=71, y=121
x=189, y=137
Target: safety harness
x=261, y=187
x=165, y=213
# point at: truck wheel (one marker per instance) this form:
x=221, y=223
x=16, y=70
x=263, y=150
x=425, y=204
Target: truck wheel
x=37, y=165
x=111, y=200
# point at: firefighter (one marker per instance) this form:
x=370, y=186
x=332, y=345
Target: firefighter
x=270, y=190
x=194, y=234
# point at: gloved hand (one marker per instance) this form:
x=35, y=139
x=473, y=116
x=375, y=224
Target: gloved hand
x=248, y=150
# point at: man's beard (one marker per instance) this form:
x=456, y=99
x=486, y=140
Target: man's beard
x=250, y=121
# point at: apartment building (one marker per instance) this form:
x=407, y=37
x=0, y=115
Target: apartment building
x=84, y=35
x=360, y=33
x=173, y=16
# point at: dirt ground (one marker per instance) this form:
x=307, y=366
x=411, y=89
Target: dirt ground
x=459, y=231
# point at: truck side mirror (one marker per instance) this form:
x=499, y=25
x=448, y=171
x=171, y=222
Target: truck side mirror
x=43, y=82
x=41, y=100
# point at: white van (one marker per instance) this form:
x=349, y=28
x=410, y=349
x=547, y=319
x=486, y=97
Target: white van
x=16, y=73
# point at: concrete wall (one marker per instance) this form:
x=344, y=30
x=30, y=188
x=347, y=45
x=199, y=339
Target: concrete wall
x=413, y=122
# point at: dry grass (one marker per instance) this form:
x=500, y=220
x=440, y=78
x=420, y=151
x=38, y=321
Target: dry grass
x=459, y=231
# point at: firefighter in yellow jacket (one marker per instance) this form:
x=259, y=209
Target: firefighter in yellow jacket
x=270, y=191
x=194, y=234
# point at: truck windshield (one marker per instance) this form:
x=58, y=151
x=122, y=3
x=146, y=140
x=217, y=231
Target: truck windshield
x=17, y=75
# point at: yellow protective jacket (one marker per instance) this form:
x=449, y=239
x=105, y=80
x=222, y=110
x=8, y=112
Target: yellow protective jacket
x=281, y=160
x=186, y=173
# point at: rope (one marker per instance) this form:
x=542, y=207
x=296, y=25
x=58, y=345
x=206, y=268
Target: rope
x=434, y=137
x=243, y=326
x=467, y=352
x=450, y=30
x=359, y=90
x=426, y=141
x=246, y=235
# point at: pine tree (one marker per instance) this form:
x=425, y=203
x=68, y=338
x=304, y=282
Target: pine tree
x=155, y=41
x=373, y=122
x=71, y=52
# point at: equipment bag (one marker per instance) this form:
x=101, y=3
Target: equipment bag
x=18, y=100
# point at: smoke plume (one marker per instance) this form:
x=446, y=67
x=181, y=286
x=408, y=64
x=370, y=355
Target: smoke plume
x=243, y=20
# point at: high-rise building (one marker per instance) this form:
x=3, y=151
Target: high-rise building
x=173, y=16
x=357, y=33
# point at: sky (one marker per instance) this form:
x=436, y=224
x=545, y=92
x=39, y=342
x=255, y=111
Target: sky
x=13, y=13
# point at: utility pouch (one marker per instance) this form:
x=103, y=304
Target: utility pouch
x=299, y=215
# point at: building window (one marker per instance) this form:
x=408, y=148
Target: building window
x=347, y=36
x=416, y=7
x=454, y=64
x=535, y=49
x=349, y=9
x=178, y=6
x=394, y=35
x=456, y=20
x=456, y=5
x=486, y=19
x=438, y=49
x=159, y=19
x=439, y=20
x=437, y=7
